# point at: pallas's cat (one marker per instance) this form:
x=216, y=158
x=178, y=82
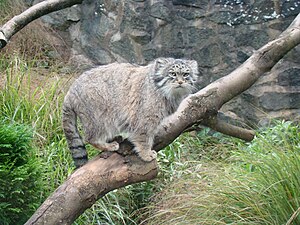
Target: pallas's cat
x=127, y=100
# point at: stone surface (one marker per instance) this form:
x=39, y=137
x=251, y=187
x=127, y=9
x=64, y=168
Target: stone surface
x=274, y=101
x=219, y=34
x=253, y=38
x=290, y=77
x=192, y=3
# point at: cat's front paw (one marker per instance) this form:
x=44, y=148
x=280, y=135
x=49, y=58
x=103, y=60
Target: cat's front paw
x=103, y=146
x=148, y=156
x=113, y=146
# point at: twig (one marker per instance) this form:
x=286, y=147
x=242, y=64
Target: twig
x=294, y=216
x=217, y=124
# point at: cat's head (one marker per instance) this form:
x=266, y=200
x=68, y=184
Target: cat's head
x=175, y=78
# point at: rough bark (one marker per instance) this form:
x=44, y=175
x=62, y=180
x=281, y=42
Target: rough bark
x=18, y=22
x=110, y=171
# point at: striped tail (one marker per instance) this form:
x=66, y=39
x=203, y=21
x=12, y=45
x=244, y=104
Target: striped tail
x=74, y=140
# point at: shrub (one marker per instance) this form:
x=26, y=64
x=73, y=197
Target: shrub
x=20, y=174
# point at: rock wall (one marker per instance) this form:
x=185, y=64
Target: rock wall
x=219, y=34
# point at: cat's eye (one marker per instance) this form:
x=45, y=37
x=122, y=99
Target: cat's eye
x=186, y=74
x=172, y=74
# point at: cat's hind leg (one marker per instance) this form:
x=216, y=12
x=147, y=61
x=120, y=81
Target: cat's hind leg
x=100, y=137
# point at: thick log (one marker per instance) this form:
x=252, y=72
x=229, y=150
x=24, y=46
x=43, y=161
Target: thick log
x=89, y=183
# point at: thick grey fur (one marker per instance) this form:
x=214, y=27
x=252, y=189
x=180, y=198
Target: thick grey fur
x=128, y=100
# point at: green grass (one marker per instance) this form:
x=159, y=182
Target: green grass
x=28, y=100
x=257, y=183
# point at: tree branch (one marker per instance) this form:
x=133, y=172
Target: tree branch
x=217, y=124
x=89, y=183
x=199, y=107
x=18, y=22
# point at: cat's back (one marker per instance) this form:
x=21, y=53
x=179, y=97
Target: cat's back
x=112, y=74
x=110, y=84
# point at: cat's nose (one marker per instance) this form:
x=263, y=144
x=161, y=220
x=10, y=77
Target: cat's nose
x=180, y=82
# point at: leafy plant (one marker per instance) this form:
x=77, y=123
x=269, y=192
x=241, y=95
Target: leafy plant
x=20, y=174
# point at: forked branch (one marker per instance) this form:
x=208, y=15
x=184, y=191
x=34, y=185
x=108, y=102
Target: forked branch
x=203, y=105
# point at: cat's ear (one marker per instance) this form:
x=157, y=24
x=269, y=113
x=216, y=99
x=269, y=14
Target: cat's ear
x=194, y=66
x=161, y=63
